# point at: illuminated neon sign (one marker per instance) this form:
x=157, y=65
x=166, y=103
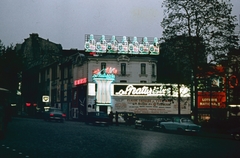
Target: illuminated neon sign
x=108, y=70
x=150, y=90
x=122, y=46
x=233, y=81
x=80, y=81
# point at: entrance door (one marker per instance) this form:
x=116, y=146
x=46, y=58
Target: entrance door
x=103, y=108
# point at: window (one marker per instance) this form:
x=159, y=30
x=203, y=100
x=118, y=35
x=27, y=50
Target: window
x=153, y=70
x=103, y=66
x=70, y=71
x=143, y=81
x=65, y=74
x=54, y=72
x=43, y=76
x=124, y=81
x=123, y=69
x=143, y=69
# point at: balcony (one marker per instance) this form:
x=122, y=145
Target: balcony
x=143, y=75
x=123, y=75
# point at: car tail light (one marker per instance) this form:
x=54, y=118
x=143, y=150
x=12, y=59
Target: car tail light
x=63, y=115
x=51, y=114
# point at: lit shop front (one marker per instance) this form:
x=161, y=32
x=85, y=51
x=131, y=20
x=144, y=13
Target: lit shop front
x=212, y=104
x=150, y=98
x=142, y=98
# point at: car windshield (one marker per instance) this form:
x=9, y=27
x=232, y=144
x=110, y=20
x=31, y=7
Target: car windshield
x=187, y=121
x=55, y=110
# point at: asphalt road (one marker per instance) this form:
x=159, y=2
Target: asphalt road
x=36, y=138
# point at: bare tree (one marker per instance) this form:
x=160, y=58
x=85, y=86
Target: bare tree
x=204, y=23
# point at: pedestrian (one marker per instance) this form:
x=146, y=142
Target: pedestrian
x=111, y=117
x=116, y=118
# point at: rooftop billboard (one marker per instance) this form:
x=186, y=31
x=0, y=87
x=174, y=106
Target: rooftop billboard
x=122, y=45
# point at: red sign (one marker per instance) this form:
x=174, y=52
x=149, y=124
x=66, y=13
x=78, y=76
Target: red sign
x=215, y=99
x=233, y=81
x=80, y=81
x=108, y=70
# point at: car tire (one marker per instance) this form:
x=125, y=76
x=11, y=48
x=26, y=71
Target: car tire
x=163, y=129
x=236, y=136
x=180, y=130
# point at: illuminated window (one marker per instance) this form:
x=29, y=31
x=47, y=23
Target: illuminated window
x=123, y=69
x=143, y=69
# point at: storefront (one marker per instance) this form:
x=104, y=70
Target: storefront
x=142, y=98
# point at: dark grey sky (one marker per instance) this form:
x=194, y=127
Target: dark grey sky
x=67, y=21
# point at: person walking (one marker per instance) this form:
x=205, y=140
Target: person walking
x=111, y=118
x=116, y=118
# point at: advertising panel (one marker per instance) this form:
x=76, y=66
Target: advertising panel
x=165, y=90
x=151, y=105
x=125, y=45
x=150, y=98
x=215, y=99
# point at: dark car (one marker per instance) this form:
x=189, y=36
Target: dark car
x=97, y=117
x=235, y=133
x=54, y=114
x=150, y=123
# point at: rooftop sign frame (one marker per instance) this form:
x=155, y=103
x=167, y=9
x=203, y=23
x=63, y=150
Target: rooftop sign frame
x=121, y=45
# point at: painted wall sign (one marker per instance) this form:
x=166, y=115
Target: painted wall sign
x=124, y=46
x=151, y=105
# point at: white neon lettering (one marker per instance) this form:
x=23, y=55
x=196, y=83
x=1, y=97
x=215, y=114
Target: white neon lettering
x=131, y=90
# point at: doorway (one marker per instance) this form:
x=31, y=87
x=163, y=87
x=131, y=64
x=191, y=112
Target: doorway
x=103, y=108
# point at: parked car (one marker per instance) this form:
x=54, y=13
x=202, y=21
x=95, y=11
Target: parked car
x=235, y=133
x=151, y=123
x=160, y=120
x=120, y=119
x=54, y=114
x=138, y=122
x=97, y=117
x=180, y=124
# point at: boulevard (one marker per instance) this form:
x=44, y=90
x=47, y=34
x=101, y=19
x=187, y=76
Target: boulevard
x=35, y=138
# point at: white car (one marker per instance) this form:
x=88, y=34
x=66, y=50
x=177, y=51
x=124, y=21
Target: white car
x=120, y=119
x=180, y=124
